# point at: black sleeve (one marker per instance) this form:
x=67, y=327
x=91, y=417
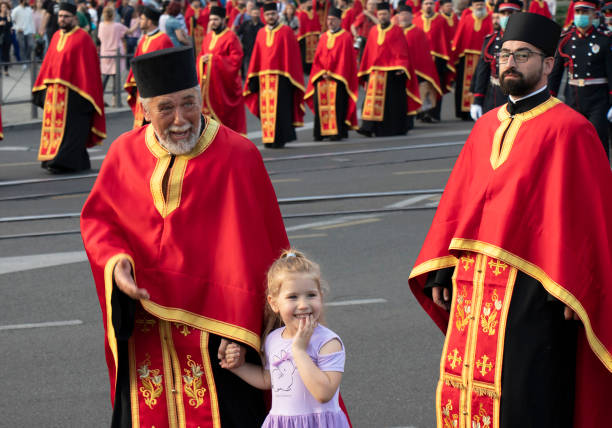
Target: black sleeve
x=439, y=278
x=254, y=85
x=479, y=84
x=554, y=80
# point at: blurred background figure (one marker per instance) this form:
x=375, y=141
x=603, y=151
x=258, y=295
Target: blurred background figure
x=112, y=41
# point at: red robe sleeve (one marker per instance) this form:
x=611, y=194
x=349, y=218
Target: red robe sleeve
x=419, y=51
x=220, y=79
x=540, y=7
x=72, y=61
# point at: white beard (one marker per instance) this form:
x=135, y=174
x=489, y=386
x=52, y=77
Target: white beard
x=182, y=147
x=480, y=13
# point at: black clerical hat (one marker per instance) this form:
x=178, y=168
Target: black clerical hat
x=541, y=32
x=68, y=7
x=218, y=11
x=270, y=6
x=445, y=1
x=502, y=5
x=383, y=5
x=403, y=7
x=165, y=71
x=151, y=13
x=334, y=11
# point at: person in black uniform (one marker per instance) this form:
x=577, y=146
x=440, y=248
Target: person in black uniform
x=485, y=84
x=585, y=53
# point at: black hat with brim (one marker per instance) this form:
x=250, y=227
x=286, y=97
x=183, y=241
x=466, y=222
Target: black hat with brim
x=541, y=32
x=151, y=13
x=404, y=8
x=383, y=5
x=335, y=12
x=68, y=7
x=165, y=71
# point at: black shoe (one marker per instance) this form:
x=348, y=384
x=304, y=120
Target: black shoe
x=426, y=118
x=318, y=138
x=364, y=132
x=335, y=138
x=43, y=164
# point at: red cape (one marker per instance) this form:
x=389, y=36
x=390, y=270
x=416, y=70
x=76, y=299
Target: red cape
x=470, y=35
x=277, y=52
x=335, y=56
x=388, y=50
x=309, y=23
x=435, y=30
x=420, y=56
x=204, y=254
x=348, y=17
x=451, y=24
x=222, y=87
x=147, y=44
x=550, y=222
x=72, y=61
x=540, y=7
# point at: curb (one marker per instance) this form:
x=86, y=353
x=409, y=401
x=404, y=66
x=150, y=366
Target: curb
x=36, y=123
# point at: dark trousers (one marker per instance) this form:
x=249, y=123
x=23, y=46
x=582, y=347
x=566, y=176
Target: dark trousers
x=435, y=112
x=592, y=102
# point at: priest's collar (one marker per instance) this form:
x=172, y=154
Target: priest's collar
x=153, y=32
x=526, y=103
x=385, y=26
x=219, y=30
x=272, y=27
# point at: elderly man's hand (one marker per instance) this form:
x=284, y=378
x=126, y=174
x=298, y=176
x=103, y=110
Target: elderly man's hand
x=441, y=297
x=125, y=281
x=231, y=354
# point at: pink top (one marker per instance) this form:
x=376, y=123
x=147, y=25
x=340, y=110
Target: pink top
x=292, y=403
x=111, y=35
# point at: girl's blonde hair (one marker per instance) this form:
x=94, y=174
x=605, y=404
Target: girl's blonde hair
x=291, y=262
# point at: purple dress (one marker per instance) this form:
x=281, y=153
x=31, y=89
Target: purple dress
x=293, y=406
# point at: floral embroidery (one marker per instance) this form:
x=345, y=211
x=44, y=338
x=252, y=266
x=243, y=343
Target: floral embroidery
x=488, y=319
x=449, y=420
x=464, y=308
x=151, y=380
x=183, y=329
x=193, y=383
x=145, y=324
x=481, y=420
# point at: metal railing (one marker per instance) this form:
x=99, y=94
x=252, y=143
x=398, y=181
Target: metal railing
x=33, y=66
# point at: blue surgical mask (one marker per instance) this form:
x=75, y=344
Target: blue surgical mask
x=609, y=27
x=581, y=21
x=595, y=22
x=503, y=21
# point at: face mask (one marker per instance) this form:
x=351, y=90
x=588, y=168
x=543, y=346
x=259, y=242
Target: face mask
x=595, y=22
x=609, y=27
x=581, y=21
x=503, y=21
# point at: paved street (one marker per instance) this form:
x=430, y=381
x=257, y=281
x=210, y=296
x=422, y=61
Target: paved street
x=51, y=336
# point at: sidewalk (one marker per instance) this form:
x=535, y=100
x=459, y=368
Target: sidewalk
x=18, y=87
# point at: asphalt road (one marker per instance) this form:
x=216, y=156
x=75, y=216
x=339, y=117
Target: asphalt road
x=55, y=375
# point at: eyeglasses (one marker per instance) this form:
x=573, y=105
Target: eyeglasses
x=520, y=56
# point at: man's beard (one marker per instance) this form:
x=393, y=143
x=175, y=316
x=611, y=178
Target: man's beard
x=480, y=13
x=66, y=27
x=183, y=146
x=520, y=86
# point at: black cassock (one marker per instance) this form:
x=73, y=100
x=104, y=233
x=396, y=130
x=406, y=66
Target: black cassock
x=72, y=155
x=395, y=120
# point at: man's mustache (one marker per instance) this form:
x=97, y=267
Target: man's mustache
x=513, y=71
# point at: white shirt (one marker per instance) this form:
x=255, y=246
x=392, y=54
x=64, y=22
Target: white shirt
x=23, y=19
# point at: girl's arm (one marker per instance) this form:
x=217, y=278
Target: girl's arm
x=233, y=360
x=322, y=385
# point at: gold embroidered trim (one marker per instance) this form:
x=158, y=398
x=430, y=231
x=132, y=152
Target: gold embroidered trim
x=84, y=94
x=165, y=338
x=331, y=38
x=270, y=35
x=382, y=34
x=133, y=384
x=433, y=264
x=212, y=387
x=147, y=42
x=427, y=22
x=335, y=76
x=64, y=38
x=556, y=290
x=215, y=37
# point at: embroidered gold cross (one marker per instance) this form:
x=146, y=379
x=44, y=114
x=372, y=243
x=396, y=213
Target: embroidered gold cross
x=483, y=365
x=183, y=329
x=467, y=262
x=145, y=324
x=454, y=359
x=496, y=265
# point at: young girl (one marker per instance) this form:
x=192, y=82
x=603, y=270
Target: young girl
x=304, y=361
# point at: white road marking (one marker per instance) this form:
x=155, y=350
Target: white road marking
x=356, y=302
x=14, y=149
x=40, y=325
x=409, y=201
x=37, y=261
x=348, y=223
x=326, y=222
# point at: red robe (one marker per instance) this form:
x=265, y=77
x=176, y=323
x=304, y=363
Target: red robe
x=72, y=62
x=321, y=7
x=197, y=24
x=276, y=53
x=435, y=30
x=387, y=50
x=220, y=79
x=540, y=7
x=452, y=23
x=467, y=44
x=335, y=56
x=420, y=56
x=348, y=17
x=203, y=251
x=518, y=205
x=147, y=44
x=309, y=31
x=569, y=18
